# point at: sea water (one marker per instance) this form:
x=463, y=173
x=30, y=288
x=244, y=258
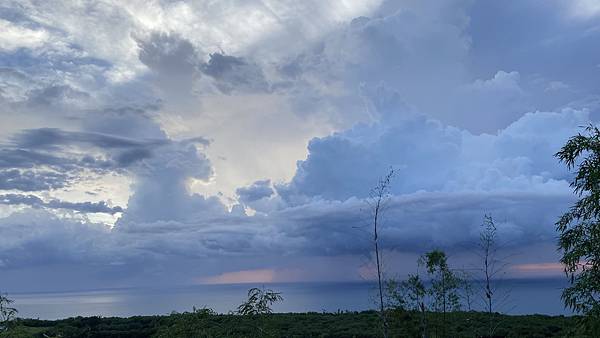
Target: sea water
x=522, y=296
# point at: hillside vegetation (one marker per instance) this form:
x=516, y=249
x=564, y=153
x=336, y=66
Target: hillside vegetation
x=205, y=323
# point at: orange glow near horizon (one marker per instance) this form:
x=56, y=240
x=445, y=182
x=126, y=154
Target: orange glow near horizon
x=240, y=277
x=548, y=268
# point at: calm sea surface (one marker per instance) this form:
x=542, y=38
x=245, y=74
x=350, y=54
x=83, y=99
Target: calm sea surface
x=524, y=297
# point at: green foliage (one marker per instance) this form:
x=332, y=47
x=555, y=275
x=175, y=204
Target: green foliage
x=413, y=298
x=7, y=312
x=408, y=298
x=445, y=284
x=204, y=323
x=407, y=295
x=579, y=228
x=259, y=302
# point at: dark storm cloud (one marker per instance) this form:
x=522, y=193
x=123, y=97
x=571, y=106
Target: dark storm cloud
x=235, y=74
x=178, y=63
x=49, y=137
x=168, y=54
x=116, y=141
x=420, y=221
x=256, y=191
x=24, y=158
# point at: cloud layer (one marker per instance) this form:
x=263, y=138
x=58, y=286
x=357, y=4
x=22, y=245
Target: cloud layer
x=245, y=136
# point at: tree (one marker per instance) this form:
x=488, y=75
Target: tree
x=445, y=284
x=7, y=312
x=408, y=295
x=377, y=198
x=487, y=244
x=579, y=228
x=259, y=302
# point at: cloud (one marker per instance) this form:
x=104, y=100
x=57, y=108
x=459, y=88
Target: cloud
x=51, y=137
x=29, y=180
x=21, y=158
x=34, y=201
x=387, y=47
x=414, y=223
x=235, y=74
x=161, y=193
x=584, y=9
x=495, y=102
x=256, y=191
x=38, y=237
x=15, y=37
x=168, y=54
x=447, y=180
x=432, y=157
x=459, y=102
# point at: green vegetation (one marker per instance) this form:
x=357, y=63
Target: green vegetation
x=7, y=313
x=257, y=307
x=259, y=302
x=579, y=228
x=205, y=323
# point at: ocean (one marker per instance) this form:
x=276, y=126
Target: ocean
x=524, y=296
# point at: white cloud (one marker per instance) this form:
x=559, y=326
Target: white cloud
x=14, y=37
x=584, y=9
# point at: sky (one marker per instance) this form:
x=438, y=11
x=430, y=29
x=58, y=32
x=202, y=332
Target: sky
x=152, y=143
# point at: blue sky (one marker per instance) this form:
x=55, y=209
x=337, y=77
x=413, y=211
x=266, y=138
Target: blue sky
x=174, y=142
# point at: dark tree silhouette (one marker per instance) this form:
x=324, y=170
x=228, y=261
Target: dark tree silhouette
x=579, y=227
x=259, y=302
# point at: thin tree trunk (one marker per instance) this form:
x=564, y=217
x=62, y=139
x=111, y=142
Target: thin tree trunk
x=443, y=304
x=488, y=291
x=423, y=327
x=381, y=307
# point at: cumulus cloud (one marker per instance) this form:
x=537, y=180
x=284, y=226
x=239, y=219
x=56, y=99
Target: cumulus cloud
x=432, y=157
x=496, y=102
x=460, y=103
x=161, y=193
x=438, y=199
